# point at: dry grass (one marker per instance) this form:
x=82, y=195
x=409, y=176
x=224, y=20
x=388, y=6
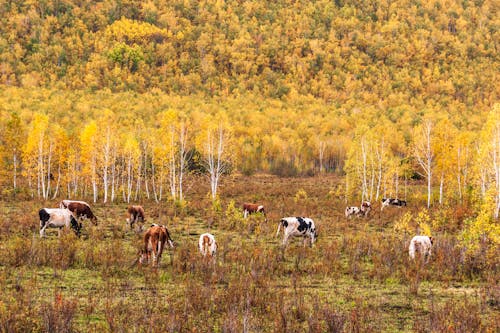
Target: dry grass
x=356, y=279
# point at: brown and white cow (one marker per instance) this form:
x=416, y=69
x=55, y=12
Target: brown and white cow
x=365, y=208
x=207, y=245
x=135, y=214
x=358, y=211
x=80, y=209
x=421, y=245
x=58, y=218
x=154, y=242
x=298, y=227
x=250, y=208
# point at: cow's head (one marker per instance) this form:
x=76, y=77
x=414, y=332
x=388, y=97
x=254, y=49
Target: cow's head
x=169, y=239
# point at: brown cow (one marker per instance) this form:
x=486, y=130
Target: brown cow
x=80, y=209
x=249, y=208
x=135, y=214
x=154, y=242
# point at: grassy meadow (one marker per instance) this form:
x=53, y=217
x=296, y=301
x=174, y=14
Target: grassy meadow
x=357, y=277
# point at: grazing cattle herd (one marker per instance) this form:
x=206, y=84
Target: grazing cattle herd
x=72, y=212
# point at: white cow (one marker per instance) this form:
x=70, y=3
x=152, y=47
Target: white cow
x=207, y=245
x=298, y=227
x=421, y=245
x=57, y=218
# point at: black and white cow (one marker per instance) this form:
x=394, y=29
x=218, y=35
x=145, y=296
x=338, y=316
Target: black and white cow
x=392, y=202
x=352, y=210
x=58, y=218
x=298, y=227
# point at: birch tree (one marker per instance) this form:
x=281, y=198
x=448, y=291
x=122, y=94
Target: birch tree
x=216, y=155
x=36, y=156
x=489, y=158
x=424, y=154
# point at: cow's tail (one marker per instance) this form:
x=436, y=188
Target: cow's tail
x=206, y=245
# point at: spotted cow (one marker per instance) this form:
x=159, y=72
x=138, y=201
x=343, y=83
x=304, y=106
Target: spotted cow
x=352, y=210
x=154, y=242
x=358, y=211
x=298, y=227
x=58, y=218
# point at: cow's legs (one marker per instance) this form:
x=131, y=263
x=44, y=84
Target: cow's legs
x=245, y=213
x=285, y=238
x=42, y=231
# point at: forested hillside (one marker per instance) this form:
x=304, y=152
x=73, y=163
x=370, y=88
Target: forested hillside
x=111, y=99
x=344, y=52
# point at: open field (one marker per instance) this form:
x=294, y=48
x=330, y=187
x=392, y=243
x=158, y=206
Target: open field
x=357, y=278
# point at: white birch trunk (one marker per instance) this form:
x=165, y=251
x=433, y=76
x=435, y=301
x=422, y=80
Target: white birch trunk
x=183, y=156
x=425, y=157
x=107, y=153
x=363, y=156
x=173, y=165
x=322, y=148
x=49, y=166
